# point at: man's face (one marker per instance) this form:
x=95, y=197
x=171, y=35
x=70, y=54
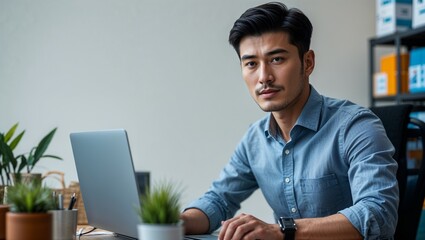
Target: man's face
x=273, y=72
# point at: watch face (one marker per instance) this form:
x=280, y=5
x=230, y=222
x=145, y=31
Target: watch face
x=287, y=223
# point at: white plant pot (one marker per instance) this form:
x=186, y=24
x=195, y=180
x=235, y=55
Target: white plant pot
x=160, y=231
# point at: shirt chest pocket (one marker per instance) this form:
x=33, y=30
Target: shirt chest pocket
x=320, y=196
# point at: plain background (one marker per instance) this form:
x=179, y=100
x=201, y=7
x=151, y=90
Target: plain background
x=162, y=70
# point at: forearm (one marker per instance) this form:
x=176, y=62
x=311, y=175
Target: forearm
x=335, y=226
x=195, y=221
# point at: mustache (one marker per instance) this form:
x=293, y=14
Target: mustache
x=267, y=87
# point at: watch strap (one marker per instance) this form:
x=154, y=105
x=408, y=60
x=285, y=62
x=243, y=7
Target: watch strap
x=288, y=228
x=289, y=234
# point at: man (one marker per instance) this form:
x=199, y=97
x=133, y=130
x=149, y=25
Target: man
x=325, y=166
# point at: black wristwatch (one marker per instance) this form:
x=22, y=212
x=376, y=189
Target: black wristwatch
x=288, y=227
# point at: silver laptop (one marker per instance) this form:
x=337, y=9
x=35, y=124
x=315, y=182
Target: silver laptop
x=108, y=182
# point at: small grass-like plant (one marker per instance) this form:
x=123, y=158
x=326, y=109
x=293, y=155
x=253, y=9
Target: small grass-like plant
x=30, y=197
x=161, y=204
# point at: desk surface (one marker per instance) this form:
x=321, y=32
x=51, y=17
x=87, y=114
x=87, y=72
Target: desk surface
x=99, y=237
x=100, y=234
x=97, y=234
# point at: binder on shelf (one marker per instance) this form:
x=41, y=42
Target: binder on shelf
x=380, y=84
x=385, y=81
x=417, y=70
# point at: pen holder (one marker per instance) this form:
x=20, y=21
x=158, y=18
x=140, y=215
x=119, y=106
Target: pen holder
x=74, y=187
x=64, y=224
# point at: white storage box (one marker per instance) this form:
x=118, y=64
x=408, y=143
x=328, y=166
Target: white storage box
x=393, y=16
x=418, y=13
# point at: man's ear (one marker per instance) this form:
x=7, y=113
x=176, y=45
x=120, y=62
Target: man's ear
x=309, y=61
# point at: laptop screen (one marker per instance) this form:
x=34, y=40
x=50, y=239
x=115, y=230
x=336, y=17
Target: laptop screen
x=107, y=180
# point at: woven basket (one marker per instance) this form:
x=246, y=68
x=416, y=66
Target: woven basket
x=74, y=187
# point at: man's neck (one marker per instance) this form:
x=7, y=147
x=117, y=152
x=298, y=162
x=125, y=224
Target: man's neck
x=285, y=121
x=286, y=118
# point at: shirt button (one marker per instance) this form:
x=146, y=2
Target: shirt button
x=293, y=210
x=287, y=180
x=287, y=151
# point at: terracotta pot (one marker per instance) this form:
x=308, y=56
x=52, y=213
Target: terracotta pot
x=3, y=210
x=28, y=226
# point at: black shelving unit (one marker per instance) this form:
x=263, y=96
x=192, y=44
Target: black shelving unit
x=409, y=39
x=406, y=40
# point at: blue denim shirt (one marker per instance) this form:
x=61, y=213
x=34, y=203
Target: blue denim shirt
x=339, y=160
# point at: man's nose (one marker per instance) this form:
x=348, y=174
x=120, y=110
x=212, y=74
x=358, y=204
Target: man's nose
x=265, y=75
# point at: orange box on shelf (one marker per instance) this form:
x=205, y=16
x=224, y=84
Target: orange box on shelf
x=385, y=82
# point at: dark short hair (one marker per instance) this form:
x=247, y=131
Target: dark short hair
x=273, y=17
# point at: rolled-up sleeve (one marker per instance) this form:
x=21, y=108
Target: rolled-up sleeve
x=372, y=176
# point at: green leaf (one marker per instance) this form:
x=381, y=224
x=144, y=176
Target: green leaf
x=30, y=159
x=8, y=160
x=42, y=146
x=15, y=141
x=7, y=153
x=22, y=165
x=51, y=156
x=10, y=133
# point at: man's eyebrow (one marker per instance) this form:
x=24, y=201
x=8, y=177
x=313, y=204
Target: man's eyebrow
x=273, y=52
x=276, y=51
x=245, y=57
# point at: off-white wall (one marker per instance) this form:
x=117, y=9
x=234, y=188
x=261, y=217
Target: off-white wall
x=164, y=71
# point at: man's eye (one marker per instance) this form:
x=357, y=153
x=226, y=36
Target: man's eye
x=250, y=64
x=277, y=59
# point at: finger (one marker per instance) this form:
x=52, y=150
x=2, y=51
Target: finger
x=233, y=225
x=228, y=228
x=225, y=224
x=222, y=230
x=247, y=230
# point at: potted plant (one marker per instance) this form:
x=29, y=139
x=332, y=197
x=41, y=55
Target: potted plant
x=28, y=217
x=160, y=213
x=7, y=144
x=8, y=161
x=36, y=153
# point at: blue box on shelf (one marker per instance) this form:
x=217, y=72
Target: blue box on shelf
x=417, y=70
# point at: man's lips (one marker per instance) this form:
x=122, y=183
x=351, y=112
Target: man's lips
x=268, y=92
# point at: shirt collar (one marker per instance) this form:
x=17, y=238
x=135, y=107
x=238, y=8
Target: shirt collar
x=309, y=117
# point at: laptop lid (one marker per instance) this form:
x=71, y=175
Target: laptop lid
x=107, y=180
